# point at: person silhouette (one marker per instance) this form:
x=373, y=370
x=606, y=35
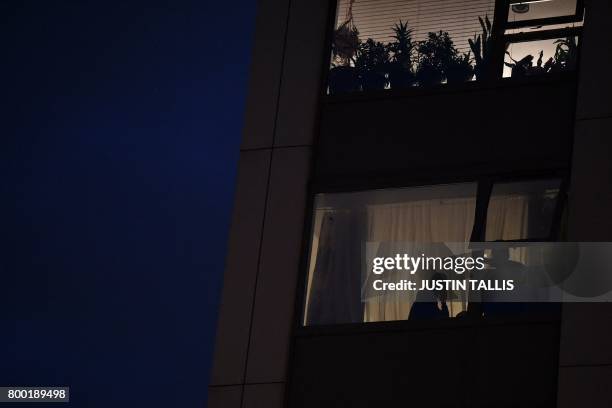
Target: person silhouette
x=501, y=303
x=430, y=304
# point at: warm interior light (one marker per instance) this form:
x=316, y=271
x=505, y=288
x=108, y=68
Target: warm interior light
x=520, y=8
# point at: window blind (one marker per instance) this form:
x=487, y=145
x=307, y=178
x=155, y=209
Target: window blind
x=375, y=18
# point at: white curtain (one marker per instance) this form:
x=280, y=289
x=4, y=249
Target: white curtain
x=507, y=220
x=338, y=287
x=334, y=283
x=416, y=225
x=507, y=217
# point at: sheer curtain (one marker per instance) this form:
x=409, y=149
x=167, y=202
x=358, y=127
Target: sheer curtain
x=507, y=217
x=339, y=286
x=415, y=226
x=507, y=220
x=333, y=294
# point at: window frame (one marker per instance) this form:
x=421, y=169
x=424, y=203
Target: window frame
x=487, y=187
x=572, y=18
x=535, y=36
x=483, y=194
x=493, y=78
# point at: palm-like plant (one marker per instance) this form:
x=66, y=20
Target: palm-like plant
x=402, y=46
x=482, y=48
x=401, y=50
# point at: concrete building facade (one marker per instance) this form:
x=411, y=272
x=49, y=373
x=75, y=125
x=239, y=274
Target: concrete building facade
x=298, y=142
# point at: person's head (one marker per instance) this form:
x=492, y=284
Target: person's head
x=500, y=254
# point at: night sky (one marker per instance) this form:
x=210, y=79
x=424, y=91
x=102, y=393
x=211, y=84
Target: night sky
x=121, y=129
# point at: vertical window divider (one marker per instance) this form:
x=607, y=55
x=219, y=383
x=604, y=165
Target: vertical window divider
x=560, y=206
x=483, y=195
x=500, y=20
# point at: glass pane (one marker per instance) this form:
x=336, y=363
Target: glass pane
x=522, y=210
x=532, y=10
x=539, y=57
x=549, y=27
x=383, y=44
x=347, y=225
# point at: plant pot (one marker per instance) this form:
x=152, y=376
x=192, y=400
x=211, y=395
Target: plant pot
x=481, y=71
x=459, y=75
x=373, y=80
x=343, y=80
x=401, y=78
x=429, y=76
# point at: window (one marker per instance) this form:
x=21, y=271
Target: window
x=522, y=210
x=543, y=56
x=542, y=37
x=350, y=229
x=392, y=44
x=344, y=223
x=382, y=44
x=544, y=12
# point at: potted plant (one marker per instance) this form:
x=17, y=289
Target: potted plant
x=459, y=69
x=401, y=48
x=343, y=76
x=372, y=62
x=435, y=55
x=540, y=69
x=566, y=54
x=520, y=68
x=482, y=48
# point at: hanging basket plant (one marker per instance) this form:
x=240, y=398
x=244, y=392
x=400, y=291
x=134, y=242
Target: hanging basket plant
x=345, y=43
x=343, y=76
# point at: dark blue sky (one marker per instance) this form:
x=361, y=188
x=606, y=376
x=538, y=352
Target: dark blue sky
x=118, y=156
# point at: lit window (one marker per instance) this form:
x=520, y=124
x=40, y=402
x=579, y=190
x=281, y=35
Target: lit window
x=531, y=13
x=537, y=57
x=382, y=44
x=390, y=44
x=350, y=230
x=542, y=37
x=522, y=210
x=339, y=281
